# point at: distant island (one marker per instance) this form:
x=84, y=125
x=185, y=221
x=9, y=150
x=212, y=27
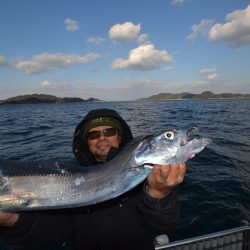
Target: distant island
x=186, y=95
x=42, y=98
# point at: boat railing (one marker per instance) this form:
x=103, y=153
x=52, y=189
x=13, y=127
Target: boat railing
x=232, y=239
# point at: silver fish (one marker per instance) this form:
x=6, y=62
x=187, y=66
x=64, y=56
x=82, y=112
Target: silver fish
x=53, y=185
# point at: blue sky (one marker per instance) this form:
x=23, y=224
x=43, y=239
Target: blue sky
x=123, y=50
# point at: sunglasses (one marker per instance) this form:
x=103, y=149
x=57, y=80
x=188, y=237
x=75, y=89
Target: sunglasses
x=93, y=135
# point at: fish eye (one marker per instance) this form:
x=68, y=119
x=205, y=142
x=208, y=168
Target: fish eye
x=169, y=135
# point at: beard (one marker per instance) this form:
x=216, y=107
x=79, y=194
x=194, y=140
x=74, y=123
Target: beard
x=102, y=149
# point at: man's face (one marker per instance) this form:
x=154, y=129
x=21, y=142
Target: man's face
x=100, y=146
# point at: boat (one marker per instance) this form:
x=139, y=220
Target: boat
x=232, y=239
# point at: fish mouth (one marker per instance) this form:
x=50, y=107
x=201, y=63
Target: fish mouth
x=186, y=138
x=192, y=129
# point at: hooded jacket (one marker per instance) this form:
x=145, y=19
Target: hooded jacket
x=81, y=149
x=129, y=222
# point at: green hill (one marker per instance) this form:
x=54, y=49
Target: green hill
x=186, y=95
x=42, y=98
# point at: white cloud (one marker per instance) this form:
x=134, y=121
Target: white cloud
x=167, y=68
x=71, y=25
x=208, y=70
x=45, y=83
x=212, y=77
x=4, y=62
x=200, y=28
x=95, y=40
x=236, y=31
x=179, y=2
x=209, y=73
x=144, y=57
x=46, y=62
x=127, y=32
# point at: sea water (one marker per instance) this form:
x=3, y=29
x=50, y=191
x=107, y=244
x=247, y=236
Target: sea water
x=215, y=194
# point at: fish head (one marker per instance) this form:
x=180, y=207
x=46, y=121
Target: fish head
x=171, y=146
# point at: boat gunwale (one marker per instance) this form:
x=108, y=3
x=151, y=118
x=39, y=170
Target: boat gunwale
x=205, y=237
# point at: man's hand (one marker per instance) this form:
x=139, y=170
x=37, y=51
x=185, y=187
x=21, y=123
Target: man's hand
x=164, y=178
x=8, y=219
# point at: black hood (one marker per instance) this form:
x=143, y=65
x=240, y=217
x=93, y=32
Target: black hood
x=80, y=148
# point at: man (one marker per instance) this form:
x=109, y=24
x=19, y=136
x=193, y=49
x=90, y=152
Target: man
x=130, y=221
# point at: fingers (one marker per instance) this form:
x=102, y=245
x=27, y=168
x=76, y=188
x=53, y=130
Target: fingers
x=172, y=174
x=165, y=177
x=8, y=219
x=176, y=174
x=160, y=173
x=182, y=173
